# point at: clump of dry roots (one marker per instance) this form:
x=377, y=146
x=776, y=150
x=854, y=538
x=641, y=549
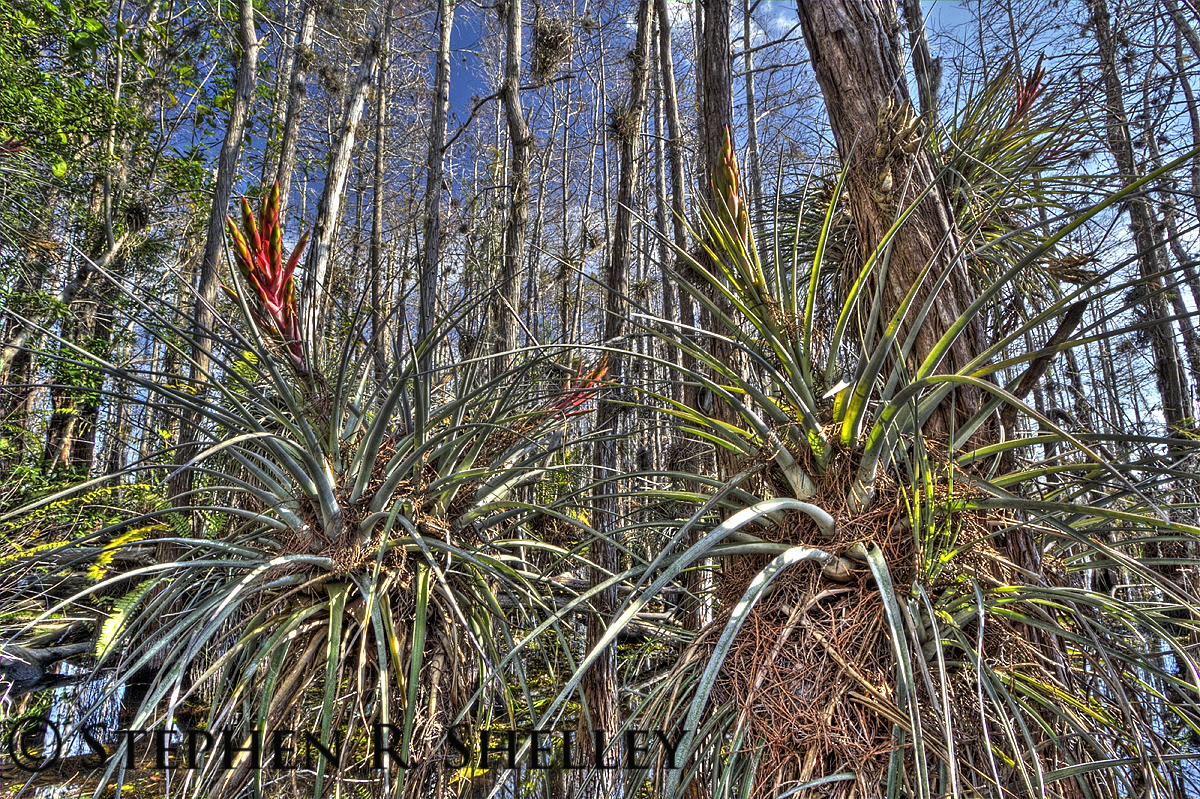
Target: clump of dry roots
x=811, y=675
x=552, y=39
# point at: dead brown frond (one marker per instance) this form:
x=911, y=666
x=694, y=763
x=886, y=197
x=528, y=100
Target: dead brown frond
x=1073, y=267
x=812, y=667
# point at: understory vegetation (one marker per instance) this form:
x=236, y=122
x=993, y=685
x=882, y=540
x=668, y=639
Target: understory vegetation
x=875, y=477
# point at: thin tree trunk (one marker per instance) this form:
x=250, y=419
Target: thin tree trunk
x=1193, y=109
x=927, y=68
x=716, y=69
x=1169, y=212
x=1080, y=402
x=164, y=422
x=1167, y=366
x=533, y=295
x=565, y=220
x=1181, y=23
x=329, y=211
x=661, y=211
x=17, y=388
x=209, y=279
x=433, y=184
x=695, y=616
x=520, y=140
x=1167, y=190
x=687, y=313
x=716, y=107
x=239, y=112
x=118, y=438
x=377, y=198
x=755, y=162
x=297, y=91
x=600, y=682
x=279, y=103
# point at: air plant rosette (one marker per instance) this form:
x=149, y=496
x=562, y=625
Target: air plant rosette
x=873, y=635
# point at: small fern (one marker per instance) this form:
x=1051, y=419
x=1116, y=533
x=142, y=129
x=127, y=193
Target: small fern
x=181, y=524
x=122, y=609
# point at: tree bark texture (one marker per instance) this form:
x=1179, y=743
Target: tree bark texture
x=433, y=184
x=716, y=109
x=378, y=198
x=716, y=76
x=661, y=211
x=687, y=313
x=854, y=54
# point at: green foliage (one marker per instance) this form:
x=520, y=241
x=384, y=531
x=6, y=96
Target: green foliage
x=50, y=508
x=47, y=97
x=120, y=616
x=82, y=380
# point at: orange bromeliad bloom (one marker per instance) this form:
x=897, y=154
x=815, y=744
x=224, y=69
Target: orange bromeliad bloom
x=727, y=189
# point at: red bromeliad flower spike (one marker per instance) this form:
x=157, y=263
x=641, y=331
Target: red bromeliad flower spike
x=1029, y=91
x=581, y=388
x=258, y=253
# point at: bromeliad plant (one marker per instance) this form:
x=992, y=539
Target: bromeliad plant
x=955, y=640
x=363, y=543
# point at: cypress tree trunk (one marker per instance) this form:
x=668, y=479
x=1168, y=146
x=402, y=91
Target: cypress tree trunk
x=600, y=682
x=855, y=55
x=377, y=198
x=433, y=183
x=716, y=80
x=687, y=313
x=754, y=161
